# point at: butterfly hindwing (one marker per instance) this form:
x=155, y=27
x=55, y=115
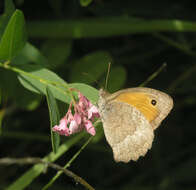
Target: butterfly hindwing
x=129, y=134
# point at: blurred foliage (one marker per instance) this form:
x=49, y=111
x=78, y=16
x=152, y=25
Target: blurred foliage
x=74, y=41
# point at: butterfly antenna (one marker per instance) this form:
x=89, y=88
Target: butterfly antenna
x=107, y=76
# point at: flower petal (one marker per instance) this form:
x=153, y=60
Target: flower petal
x=69, y=116
x=62, y=128
x=93, y=112
x=73, y=127
x=77, y=118
x=89, y=127
x=83, y=101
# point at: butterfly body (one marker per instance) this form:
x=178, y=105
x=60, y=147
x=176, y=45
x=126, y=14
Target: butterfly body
x=129, y=118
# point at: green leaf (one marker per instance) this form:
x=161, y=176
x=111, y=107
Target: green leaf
x=0, y=95
x=30, y=54
x=117, y=78
x=14, y=37
x=85, y=3
x=88, y=91
x=54, y=118
x=91, y=67
x=2, y=114
x=23, y=181
x=37, y=78
x=13, y=90
x=56, y=51
x=9, y=10
x=29, y=100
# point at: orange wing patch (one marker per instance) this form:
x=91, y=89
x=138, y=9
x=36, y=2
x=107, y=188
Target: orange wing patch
x=141, y=101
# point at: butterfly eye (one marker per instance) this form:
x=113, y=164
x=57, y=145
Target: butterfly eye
x=153, y=102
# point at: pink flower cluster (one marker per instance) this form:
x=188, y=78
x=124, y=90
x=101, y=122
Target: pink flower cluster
x=82, y=119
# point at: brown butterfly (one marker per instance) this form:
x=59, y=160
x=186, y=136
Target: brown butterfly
x=129, y=118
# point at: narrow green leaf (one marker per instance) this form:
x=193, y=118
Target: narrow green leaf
x=54, y=118
x=85, y=3
x=2, y=114
x=105, y=27
x=14, y=37
x=4, y=18
x=1, y=94
x=23, y=181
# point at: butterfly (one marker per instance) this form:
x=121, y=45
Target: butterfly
x=130, y=117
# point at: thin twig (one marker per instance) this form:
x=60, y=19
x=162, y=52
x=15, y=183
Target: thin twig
x=185, y=75
x=175, y=44
x=70, y=161
x=151, y=77
x=31, y=160
x=67, y=165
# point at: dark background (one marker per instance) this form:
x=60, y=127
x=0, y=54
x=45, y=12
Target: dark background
x=171, y=163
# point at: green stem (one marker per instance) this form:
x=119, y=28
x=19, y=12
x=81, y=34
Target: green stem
x=151, y=77
x=181, y=78
x=175, y=44
x=105, y=27
x=70, y=161
x=67, y=165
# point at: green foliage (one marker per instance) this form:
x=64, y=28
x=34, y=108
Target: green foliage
x=30, y=54
x=14, y=37
x=85, y=3
x=11, y=88
x=54, y=119
x=90, y=92
x=9, y=10
x=105, y=27
x=94, y=65
x=71, y=44
x=57, y=52
x=117, y=78
x=37, y=169
x=36, y=79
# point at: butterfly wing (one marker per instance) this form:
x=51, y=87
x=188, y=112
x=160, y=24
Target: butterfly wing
x=129, y=117
x=141, y=98
x=128, y=132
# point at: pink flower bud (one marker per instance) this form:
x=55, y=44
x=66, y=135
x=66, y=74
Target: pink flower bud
x=73, y=127
x=93, y=112
x=77, y=118
x=89, y=127
x=83, y=101
x=62, y=128
x=85, y=112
